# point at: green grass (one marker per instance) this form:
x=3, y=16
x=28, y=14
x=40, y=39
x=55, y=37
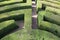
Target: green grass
x=10, y=1
x=36, y=35
x=43, y=35
x=13, y=7
x=7, y=27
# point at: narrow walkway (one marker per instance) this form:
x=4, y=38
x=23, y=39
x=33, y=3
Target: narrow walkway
x=20, y=26
x=34, y=15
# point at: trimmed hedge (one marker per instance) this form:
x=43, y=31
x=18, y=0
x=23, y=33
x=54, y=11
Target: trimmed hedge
x=54, y=10
x=3, y=0
x=49, y=16
x=43, y=35
x=9, y=2
x=53, y=1
x=23, y=34
x=15, y=6
x=25, y=1
x=55, y=29
x=8, y=9
x=51, y=4
x=35, y=35
x=7, y=27
x=41, y=16
x=16, y=15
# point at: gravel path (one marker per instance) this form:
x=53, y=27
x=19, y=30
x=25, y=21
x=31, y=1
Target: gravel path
x=34, y=15
x=20, y=25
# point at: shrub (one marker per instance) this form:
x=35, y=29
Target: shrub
x=50, y=4
x=11, y=15
x=55, y=29
x=54, y=10
x=49, y=16
x=7, y=27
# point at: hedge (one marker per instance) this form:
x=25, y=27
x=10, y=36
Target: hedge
x=35, y=35
x=3, y=0
x=53, y=1
x=6, y=27
x=23, y=34
x=16, y=15
x=9, y=2
x=41, y=16
x=53, y=28
x=50, y=4
x=15, y=6
x=54, y=10
x=49, y=16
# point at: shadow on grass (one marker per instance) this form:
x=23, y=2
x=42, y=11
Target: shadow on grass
x=11, y=3
x=15, y=8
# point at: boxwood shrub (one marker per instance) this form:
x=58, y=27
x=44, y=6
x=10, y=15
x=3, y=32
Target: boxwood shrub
x=7, y=27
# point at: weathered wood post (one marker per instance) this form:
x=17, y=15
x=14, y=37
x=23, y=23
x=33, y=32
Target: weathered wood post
x=25, y=1
x=34, y=14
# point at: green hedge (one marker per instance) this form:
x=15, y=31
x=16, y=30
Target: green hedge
x=7, y=27
x=17, y=6
x=49, y=16
x=10, y=2
x=41, y=16
x=54, y=10
x=25, y=1
x=16, y=15
x=53, y=1
x=23, y=34
x=3, y=0
x=35, y=35
x=47, y=25
x=51, y=4
x=43, y=35
x=55, y=29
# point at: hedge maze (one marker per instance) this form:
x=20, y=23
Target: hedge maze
x=29, y=20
